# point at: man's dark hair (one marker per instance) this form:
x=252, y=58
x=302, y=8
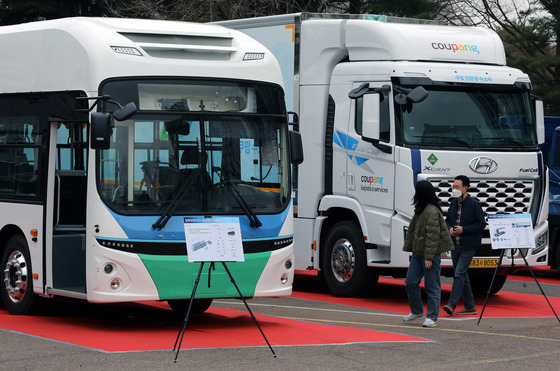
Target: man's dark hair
x=464, y=179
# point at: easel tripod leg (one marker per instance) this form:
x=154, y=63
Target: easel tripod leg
x=491, y=285
x=182, y=331
x=538, y=284
x=247, y=306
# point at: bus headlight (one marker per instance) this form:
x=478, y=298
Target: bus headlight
x=288, y=264
x=108, y=268
x=284, y=279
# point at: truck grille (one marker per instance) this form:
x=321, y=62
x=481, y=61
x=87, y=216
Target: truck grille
x=495, y=197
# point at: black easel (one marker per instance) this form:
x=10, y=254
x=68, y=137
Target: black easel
x=494, y=277
x=197, y=280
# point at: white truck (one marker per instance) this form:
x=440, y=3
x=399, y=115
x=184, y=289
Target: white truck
x=383, y=103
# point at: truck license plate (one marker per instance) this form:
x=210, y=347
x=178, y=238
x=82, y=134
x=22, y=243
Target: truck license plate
x=479, y=262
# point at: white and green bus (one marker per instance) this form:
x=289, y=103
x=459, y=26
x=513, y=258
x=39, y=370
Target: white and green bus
x=112, y=131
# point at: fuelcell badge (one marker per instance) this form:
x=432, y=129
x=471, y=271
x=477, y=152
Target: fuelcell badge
x=483, y=165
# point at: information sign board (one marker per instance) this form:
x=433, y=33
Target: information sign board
x=216, y=239
x=511, y=231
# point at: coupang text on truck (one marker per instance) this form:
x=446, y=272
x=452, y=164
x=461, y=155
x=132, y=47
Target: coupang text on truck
x=383, y=103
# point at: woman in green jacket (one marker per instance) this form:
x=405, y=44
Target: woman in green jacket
x=427, y=238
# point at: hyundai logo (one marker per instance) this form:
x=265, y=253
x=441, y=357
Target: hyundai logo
x=483, y=165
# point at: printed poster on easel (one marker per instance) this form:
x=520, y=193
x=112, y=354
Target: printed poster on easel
x=216, y=239
x=511, y=231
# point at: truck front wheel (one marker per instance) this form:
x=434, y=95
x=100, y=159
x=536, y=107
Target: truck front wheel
x=480, y=283
x=344, y=264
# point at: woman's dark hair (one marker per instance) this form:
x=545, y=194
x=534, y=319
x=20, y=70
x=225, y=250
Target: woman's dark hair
x=424, y=195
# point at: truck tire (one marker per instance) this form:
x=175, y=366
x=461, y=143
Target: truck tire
x=17, y=292
x=344, y=264
x=480, y=283
x=180, y=306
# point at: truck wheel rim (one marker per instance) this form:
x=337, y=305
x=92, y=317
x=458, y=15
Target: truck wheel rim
x=15, y=276
x=343, y=260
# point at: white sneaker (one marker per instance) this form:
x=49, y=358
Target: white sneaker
x=429, y=323
x=411, y=317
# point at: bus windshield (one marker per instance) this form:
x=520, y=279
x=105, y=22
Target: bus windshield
x=470, y=117
x=197, y=148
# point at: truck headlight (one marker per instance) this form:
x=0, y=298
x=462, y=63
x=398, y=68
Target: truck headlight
x=541, y=242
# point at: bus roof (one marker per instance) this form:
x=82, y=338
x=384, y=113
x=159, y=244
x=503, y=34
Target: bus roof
x=78, y=53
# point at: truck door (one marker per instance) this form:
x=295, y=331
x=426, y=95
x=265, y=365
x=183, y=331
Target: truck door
x=371, y=167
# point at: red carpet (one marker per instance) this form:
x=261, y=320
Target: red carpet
x=215, y=328
x=503, y=304
x=153, y=326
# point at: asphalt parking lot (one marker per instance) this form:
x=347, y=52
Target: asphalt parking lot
x=518, y=340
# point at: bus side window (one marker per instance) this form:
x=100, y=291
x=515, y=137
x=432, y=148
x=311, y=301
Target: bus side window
x=19, y=155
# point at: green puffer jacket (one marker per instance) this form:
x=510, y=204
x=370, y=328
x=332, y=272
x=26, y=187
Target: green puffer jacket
x=427, y=234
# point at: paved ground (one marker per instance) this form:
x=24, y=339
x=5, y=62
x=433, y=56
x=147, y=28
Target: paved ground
x=457, y=343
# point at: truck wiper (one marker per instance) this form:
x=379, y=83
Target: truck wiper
x=253, y=219
x=179, y=192
x=511, y=140
x=456, y=140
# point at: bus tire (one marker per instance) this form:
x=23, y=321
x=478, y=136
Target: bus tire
x=17, y=291
x=344, y=264
x=180, y=306
x=480, y=283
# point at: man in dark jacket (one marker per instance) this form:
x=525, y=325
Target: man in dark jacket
x=465, y=221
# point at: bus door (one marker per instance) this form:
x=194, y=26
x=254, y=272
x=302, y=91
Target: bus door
x=69, y=208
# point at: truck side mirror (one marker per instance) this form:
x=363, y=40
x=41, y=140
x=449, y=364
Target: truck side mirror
x=370, y=117
x=100, y=130
x=539, y=117
x=552, y=162
x=296, y=148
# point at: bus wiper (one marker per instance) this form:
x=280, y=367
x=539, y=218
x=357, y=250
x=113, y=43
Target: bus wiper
x=179, y=191
x=253, y=219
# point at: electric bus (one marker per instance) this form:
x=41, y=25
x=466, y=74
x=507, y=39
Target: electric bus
x=112, y=133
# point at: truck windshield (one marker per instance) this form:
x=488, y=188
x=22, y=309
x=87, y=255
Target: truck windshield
x=191, y=150
x=470, y=117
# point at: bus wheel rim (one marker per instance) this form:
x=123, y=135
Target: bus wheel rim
x=15, y=276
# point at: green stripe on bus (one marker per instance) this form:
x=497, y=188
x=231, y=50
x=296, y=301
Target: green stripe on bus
x=174, y=276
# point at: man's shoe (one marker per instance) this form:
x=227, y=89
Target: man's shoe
x=411, y=317
x=471, y=311
x=448, y=309
x=429, y=323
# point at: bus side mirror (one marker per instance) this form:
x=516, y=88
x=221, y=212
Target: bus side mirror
x=126, y=112
x=296, y=148
x=100, y=130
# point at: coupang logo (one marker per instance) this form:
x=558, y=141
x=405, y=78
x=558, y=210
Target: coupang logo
x=455, y=48
x=373, y=184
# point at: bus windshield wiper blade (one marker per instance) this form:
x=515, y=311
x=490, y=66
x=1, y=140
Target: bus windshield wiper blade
x=179, y=191
x=253, y=219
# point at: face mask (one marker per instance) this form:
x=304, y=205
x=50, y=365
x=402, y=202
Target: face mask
x=456, y=193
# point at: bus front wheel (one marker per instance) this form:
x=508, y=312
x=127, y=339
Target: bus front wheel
x=17, y=291
x=180, y=306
